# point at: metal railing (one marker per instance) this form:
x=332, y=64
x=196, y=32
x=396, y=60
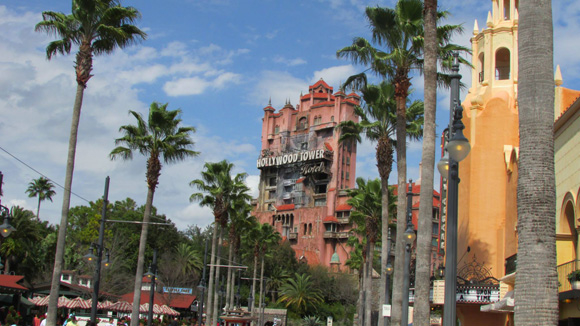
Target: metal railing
x=563, y=271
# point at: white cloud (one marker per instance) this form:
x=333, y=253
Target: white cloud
x=289, y=62
x=334, y=75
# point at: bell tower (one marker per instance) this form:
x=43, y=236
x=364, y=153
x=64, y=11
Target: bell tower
x=487, y=191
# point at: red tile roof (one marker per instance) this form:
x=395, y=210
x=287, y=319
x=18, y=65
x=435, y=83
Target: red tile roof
x=320, y=82
x=310, y=256
x=327, y=145
x=11, y=281
x=287, y=207
x=343, y=207
x=175, y=300
x=330, y=219
x=300, y=180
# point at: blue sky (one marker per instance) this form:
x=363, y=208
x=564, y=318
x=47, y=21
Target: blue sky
x=220, y=62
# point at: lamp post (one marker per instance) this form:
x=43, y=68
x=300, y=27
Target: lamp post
x=201, y=285
x=152, y=273
x=409, y=239
x=389, y=271
x=91, y=257
x=238, y=294
x=457, y=149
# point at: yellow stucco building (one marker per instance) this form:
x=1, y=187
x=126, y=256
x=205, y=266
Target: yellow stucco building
x=487, y=227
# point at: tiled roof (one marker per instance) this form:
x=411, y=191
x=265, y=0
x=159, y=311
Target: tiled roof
x=287, y=207
x=175, y=300
x=327, y=145
x=11, y=281
x=343, y=207
x=320, y=82
x=330, y=219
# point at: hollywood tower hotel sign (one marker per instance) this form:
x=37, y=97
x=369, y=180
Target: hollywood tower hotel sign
x=304, y=173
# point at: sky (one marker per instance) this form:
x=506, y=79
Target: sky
x=220, y=62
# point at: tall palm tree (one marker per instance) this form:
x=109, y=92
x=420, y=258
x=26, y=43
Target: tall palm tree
x=218, y=191
x=41, y=188
x=239, y=222
x=300, y=294
x=400, y=32
x=378, y=120
x=366, y=214
x=268, y=237
x=422, y=307
x=158, y=137
x=536, y=278
x=96, y=27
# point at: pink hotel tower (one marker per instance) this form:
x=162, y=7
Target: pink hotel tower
x=304, y=173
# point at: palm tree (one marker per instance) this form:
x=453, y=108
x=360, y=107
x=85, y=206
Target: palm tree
x=218, y=191
x=536, y=278
x=277, y=277
x=424, y=234
x=19, y=245
x=43, y=188
x=300, y=294
x=239, y=222
x=366, y=214
x=268, y=237
x=161, y=136
x=377, y=123
x=96, y=27
x=400, y=31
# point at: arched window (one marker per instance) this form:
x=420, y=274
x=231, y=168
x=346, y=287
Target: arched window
x=302, y=123
x=305, y=228
x=481, y=67
x=310, y=229
x=502, y=64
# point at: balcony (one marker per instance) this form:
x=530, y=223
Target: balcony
x=335, y=235
x=292, y=235
x=563, y=271
x=343, y=220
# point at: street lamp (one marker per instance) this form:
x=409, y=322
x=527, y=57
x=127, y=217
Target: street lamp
x=458, y=148
x=152, y=273
x=90, y=257
x=409, y=236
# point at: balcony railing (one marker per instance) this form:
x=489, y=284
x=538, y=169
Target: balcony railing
x=335, y=235
x=293, y=235
x=563, y=271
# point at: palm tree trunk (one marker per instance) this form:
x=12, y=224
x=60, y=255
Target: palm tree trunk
x=361, y=294
x=229, y=285
x=38, y=209
x=210, y=283
x=216, y=307
x=423, y=261
x=261, y=309
x=70, y=165
x=141, y=257
x=253, y=289
x=536, y=290
x=384, y=244
x=368, y=283
x=401, y=212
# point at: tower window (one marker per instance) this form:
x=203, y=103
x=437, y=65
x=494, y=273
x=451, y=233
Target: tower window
x=506, y=9
x=481, y=67
x=502, y=64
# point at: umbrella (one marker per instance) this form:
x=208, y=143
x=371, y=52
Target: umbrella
x=168, y=311
x=145, y=308
x=62, y=301
x=122, y=306
x=41, y=301
x=78, y=302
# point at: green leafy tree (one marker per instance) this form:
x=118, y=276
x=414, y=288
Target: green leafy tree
x=41, y=188
x=536, y=290
x=96, y=27
x=299, y=295
x=218, y=191
x=158, y=137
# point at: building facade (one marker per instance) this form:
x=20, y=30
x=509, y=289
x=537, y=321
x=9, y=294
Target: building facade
x=487, y=212
x=304, y=174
